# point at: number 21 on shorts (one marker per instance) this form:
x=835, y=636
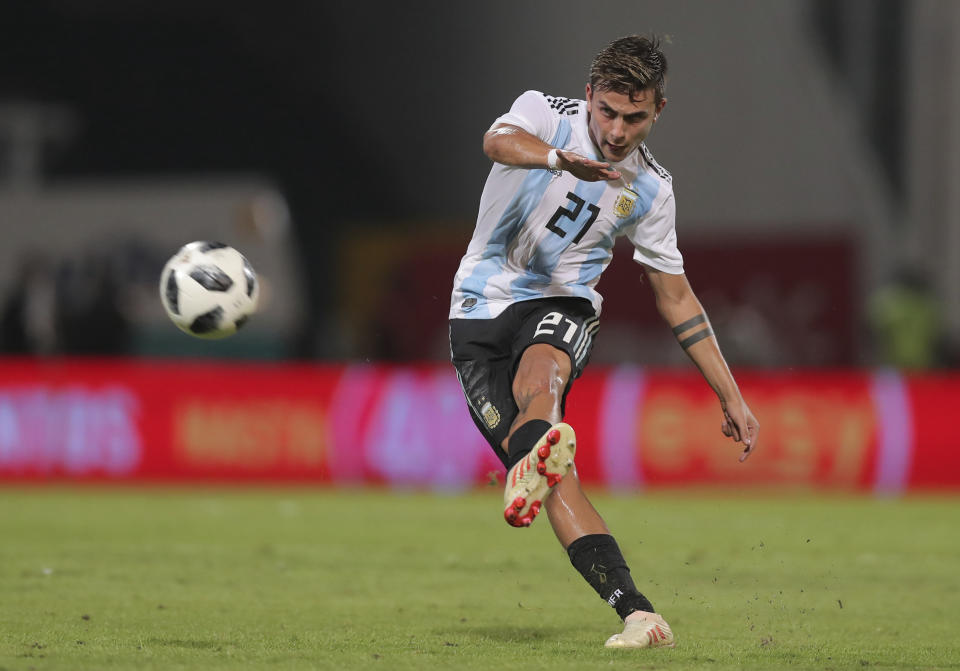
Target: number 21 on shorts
x=548, y=326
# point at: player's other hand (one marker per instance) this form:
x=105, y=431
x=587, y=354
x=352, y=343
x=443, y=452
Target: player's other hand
x=586, y=169
x=740, y=424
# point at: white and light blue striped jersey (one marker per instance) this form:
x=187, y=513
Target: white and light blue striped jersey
x=543, y=233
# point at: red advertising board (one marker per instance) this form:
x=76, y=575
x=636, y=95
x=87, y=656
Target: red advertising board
x=408, y=426
x=663, y=428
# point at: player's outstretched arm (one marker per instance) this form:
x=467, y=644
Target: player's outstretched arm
x=682, y=311
x=513, y=146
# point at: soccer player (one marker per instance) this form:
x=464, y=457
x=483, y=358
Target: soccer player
x=569, y=176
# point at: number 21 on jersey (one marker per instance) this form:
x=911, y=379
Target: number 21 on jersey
x=548, y=326
x=573, y=214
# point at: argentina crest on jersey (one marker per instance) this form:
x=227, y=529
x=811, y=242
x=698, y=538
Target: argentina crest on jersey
x=490, y=414
x=626, y=201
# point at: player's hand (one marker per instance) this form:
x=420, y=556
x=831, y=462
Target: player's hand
x=740, y=424
x=586, y=169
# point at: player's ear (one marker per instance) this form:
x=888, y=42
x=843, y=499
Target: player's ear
x=663, y=103
x=589, y=93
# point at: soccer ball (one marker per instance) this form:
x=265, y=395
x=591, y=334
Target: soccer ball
x=209, y=289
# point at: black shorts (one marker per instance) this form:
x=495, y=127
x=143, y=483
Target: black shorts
x=486, y=353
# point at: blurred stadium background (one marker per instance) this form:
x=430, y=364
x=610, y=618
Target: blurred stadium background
x=815, y=148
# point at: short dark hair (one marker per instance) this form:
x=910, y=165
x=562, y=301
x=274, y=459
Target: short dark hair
x=629, y=65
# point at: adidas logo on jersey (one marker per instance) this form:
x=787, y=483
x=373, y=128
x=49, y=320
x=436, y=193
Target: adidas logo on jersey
x=657, y=168
x=566, y=106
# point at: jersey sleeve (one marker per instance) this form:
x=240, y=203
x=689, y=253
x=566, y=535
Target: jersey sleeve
x=532, y=112
x=654, y=239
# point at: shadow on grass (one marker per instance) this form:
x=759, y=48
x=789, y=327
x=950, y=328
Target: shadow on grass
x=215, y=646
x=504, y=634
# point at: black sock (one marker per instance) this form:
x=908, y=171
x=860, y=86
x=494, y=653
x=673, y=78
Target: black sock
x=523, y=439
x=600, y=562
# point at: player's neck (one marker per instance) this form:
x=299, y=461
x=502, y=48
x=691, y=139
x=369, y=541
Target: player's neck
x=593, y=141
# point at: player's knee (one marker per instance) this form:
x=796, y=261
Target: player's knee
x=544, y=363
x=541, y=377
x=529, y=387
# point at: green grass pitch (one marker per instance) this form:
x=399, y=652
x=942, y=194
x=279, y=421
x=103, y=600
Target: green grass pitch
x=353, y=579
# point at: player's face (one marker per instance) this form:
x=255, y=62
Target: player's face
x=619, y=123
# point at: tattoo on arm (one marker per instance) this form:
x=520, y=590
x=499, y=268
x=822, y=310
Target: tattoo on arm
x=683, y=327
x=689, y=324
x=696, y=337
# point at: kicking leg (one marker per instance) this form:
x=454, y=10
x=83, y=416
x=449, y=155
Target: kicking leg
x=539, y=448
x=538, y=388
x=576, y=523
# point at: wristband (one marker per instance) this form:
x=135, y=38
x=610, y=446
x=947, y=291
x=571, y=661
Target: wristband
x=553, y=161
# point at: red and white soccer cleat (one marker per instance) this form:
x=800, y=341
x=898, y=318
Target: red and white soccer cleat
x=531, y=479
x=649, y=631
